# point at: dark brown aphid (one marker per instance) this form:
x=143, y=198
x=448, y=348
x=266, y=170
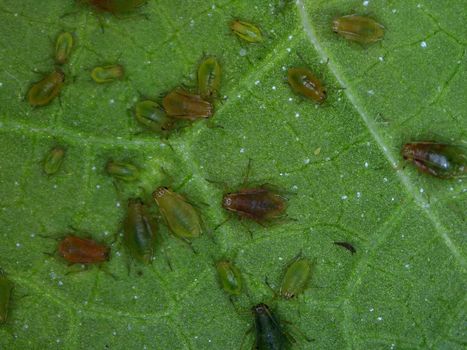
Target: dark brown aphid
x=437, y=159
x=77, y=250
x=259, y=204
x=46, y=89
x=303, y=82
x=347, y=246
x=116, y=6
x=180, y=104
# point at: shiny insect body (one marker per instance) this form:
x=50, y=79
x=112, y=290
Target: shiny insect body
x=152, y=116
x=122, y=171
x=46, y=89
x=6, y=289
x=361, y=29
x=108, y=73
x=246, y=31
x=347, y=246
x=268, y=332
x=63, y=47
x=180, y=104
x=230, y=277
x=437, y=159
x=77, y=250
x=140, y=232
x=259, y=204
x=296, y=278
x=303, y=82
x=116, y=6
x=209, y=78
x=182, y=219
x=54, y=159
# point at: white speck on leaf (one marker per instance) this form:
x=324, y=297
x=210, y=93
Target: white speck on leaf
x=242, y=52
x=423, y=44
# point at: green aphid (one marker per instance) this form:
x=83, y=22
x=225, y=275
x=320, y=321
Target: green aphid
x=296, y=277
x=230, y=277
x=181, y=217
x=63, y=47
x=122, y=171
x=6, y=288
x=54, y=159
x=152, y=116
x=107, y=74
x=209, y=77
x=140, y=232
x=45, y=90
x=361, y=29
x=246, y=31
x=437, y=159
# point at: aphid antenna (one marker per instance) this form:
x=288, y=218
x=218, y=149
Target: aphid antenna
x=274, y=292
x=297, y=330
x=248, y=331
x=222, y=223
x=247, y=173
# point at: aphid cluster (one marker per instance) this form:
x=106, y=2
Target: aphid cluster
x=41, y=93
x=261, y=204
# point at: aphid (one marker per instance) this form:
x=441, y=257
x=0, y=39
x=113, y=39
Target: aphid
x=229, y=277
x=63, y=47
x=140, y=231
x=53, y=161
x=259, y=204
x=303, y=82
x=296, y=277
x=151, y=115
x=46, y=89
x=116, y=6
x=268, y=332
x=181, y=217
x=361, y=29
x=209, y=77
x=107, y=74
x=77, y=250
x=246, y=31
x=180, y=104
x=437, y=159
x=347, y=246
x=122, y=171
x=6, y=287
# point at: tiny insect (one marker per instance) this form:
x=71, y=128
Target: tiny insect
x=181, y=217
x=63, y=47
x=116, y=6
x=268, y=332
x=209, y=78
x=180, y=104
x=303, y=82
x=6, y=288
x=107, y=74
x=437, y=159
x=53, y=161
x=246, y=31
x=259, y=204
x=151, y=115
x=122, y=171
x=361, y=29
x=229, y=277
x=140, y=231
x=77, y=250
x=45, y=90
x=296, y=277
x=347, y=246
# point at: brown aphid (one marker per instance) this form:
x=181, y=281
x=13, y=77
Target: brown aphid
x=347, y=246
x=180, y=104
x=77, y=250
x=259, y=204
x=45, y=90
x=303, y=82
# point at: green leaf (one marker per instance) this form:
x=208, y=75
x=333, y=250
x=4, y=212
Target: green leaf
x=405, y=286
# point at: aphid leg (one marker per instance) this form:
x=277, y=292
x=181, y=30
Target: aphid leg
x=212, y=125
x=271, y=288
x=247, y=228
x=107, y=272
x=248, y=331
x=296, y=329
x=247, y=173
x=223, y=222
